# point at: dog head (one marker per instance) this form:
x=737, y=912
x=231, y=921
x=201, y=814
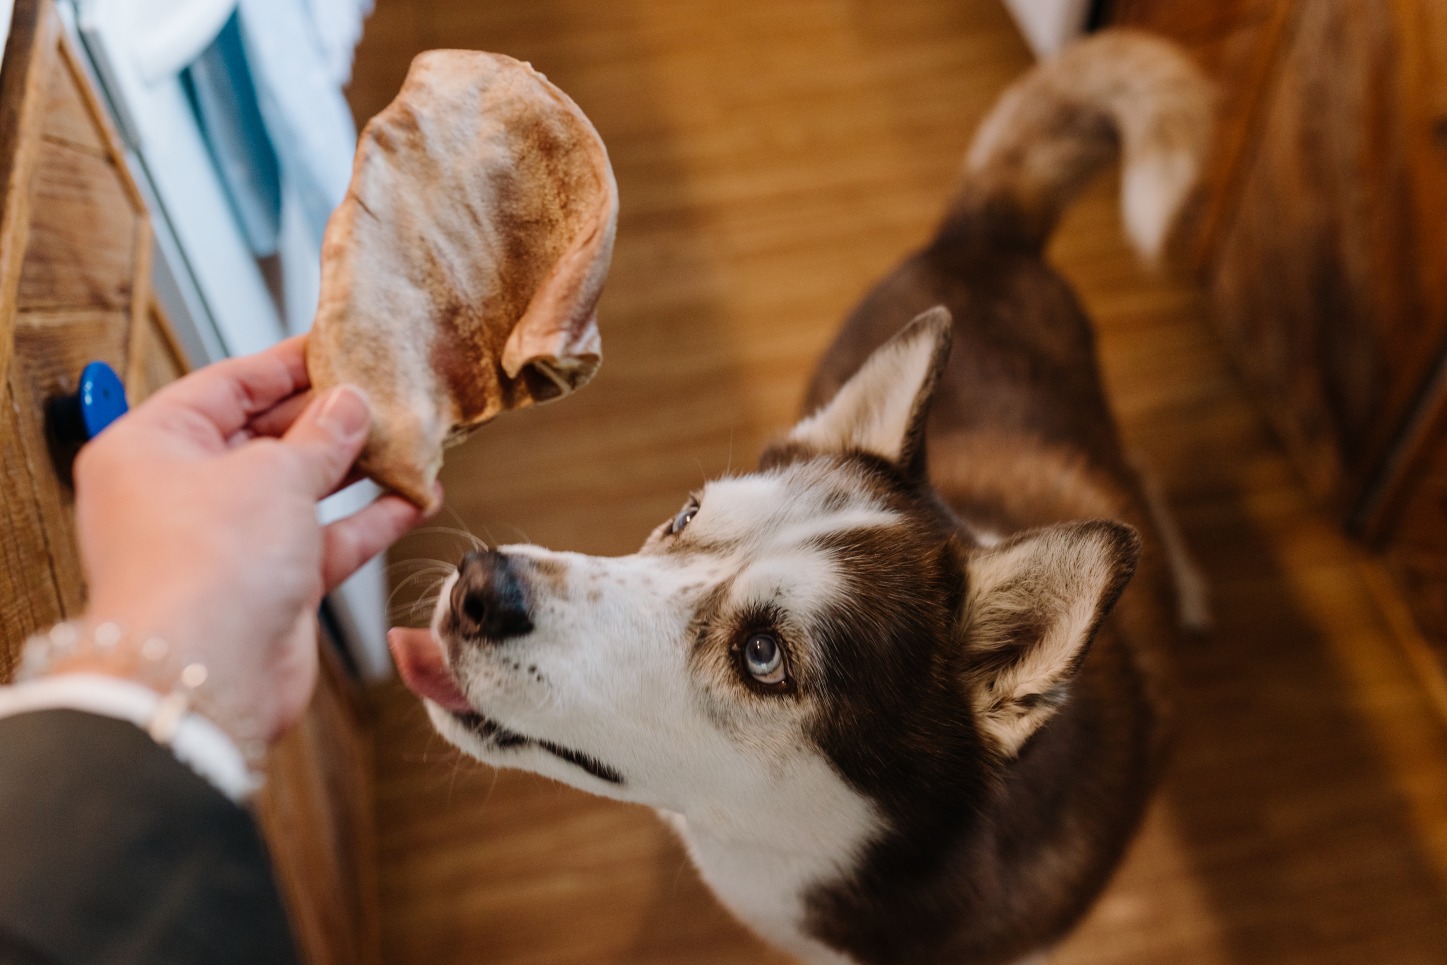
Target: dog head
x=819, y=630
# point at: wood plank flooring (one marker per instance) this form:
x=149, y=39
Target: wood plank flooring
x=772, y=159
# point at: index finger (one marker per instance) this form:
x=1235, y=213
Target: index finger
x=229, y=394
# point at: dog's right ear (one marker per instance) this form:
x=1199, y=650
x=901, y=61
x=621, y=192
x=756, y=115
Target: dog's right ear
x=881, y=409
x=1034, y=603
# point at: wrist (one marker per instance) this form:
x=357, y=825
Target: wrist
x=180, y=681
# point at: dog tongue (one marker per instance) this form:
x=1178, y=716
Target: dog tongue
x=419, y=661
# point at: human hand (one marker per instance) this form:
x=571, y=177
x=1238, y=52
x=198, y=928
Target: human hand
x=197, y=520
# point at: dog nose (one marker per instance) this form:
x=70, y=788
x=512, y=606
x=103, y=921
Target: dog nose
x=489, y=599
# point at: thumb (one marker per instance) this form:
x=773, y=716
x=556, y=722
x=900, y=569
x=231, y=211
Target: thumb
x=328, y=436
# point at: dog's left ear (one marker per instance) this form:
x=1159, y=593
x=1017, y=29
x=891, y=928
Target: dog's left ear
x=1033, y=605
x=881, y=409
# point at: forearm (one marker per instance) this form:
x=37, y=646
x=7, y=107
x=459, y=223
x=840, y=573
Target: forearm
x=114, y=851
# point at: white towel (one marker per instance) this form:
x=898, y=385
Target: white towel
x=300, y=95
x=339, y=29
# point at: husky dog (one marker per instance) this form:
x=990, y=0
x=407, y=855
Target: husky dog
x=896, y=713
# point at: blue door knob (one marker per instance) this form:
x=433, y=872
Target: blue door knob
x=99, y=401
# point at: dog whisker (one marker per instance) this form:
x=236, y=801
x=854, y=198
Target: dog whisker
x=403, y=584
x=394, y=567
x=425, y=602
x=469, y=540
x=450, y=511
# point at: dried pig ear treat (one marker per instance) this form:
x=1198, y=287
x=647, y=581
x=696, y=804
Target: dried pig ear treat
x=461, y=274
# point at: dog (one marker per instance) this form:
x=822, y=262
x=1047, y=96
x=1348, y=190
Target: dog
x=903, y=690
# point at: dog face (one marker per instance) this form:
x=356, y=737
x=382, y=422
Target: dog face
x=703, y=663
x=798, y=653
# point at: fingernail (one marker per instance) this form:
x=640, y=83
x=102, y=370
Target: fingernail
x=345, y=412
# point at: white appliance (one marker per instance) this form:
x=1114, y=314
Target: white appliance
x=235, y=128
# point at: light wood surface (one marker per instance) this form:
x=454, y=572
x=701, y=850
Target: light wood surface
x=772, y=160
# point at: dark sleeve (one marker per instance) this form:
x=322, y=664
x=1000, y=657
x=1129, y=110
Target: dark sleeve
x=111, y=850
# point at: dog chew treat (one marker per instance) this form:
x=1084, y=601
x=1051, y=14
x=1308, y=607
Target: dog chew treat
x=461, y=273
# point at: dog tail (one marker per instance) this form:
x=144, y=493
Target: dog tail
x=1119, y=91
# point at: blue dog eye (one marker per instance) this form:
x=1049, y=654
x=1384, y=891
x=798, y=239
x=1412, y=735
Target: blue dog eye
x=684, y=517
x=764, y=659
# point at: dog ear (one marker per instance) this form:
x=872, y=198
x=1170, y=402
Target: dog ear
x=881, y=409
x=1034, y=604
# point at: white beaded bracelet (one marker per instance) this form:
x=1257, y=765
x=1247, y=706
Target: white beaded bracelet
x=153, y=663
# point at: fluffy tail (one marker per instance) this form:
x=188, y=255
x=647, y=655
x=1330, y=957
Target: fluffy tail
x=1117, y=91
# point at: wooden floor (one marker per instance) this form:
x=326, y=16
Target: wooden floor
x=772, y=159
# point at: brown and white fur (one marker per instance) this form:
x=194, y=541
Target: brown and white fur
x=892, y=688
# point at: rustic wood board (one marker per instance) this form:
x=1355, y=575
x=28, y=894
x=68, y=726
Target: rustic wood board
x=29, y=596
x=1238, y=43
x=68, y=116
x=85, y=202
x=51, y=349
x=1320, y=277
x=30, y=52
x=316, y=812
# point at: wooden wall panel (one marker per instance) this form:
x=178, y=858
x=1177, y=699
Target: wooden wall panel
x=29, y=600
x=1238, y=43
x=1325, y=235
x=317, y=813
x=1423, y=89
x=84, y=263
x=81, y=252
x=1319, y=277
x=51, y=349
x=70, y=117
x=1328, y=261
x=30, y=52
x=28, y=595
x=1417, y=548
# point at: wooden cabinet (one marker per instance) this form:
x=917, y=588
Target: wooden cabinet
x=74, y=287
x=1324, y=245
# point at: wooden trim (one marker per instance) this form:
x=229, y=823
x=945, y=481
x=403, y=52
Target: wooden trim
x=29, y=53
x=140, y=303
x=161, y=322
x=102, y=121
